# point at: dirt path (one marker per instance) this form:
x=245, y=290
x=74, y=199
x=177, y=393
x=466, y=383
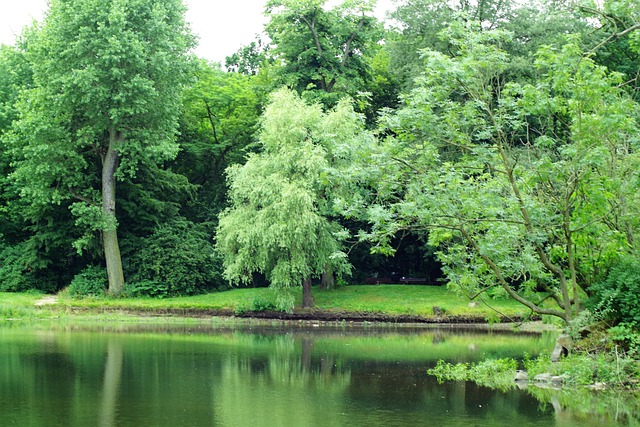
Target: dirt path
x=48, y=300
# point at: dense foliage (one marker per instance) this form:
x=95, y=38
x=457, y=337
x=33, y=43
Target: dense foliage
x=104, y=101
x=495, y=141
x=617, y=296
x=280, y=220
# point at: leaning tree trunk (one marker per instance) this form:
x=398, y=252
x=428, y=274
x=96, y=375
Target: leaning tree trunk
x=307, y=297
x=110, y=234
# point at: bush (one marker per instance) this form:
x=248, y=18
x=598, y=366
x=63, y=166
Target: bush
x=585, y=369
x=22, y=270
x=493, y=373
x=259, y=304
x=92, y=281
x=628, y=337
x=177, y=259
x=147, y=288
x=256, y=305
x=537, y=366
x=575, y=369
x=618, y=296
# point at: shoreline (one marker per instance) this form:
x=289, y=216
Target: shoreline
x=314, y=318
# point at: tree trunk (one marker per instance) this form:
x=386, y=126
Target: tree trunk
x=110, y=234
x=307, y=297
x=328, y=279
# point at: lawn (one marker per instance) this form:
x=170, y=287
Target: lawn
x=411, y=300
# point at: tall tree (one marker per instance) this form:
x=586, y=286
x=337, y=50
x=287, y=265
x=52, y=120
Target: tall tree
x=417, y=25
x=616, y=38
x=218, y=123
x=15, y=73
x=323, y=50
x=25, y=262
x=107, y=81
x=521, y=186
x=249, y=59
x=280, y=222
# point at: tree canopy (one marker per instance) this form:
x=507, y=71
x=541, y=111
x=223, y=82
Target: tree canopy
x=521, y=185
x=107, y=78
x=323, y=50
x=500, y=145
x=280, y=222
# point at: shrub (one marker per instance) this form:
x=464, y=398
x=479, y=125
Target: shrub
x=585, y=369
x=627, y=336
x=91, y=281
x=21, y=269
x=539, y=365
x=618, y=296
x=147, y=288
x=259, y=304
x=444, y=371
x=177, y=259
x=494, y=373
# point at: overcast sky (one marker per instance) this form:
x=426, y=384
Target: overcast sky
x=222, y=25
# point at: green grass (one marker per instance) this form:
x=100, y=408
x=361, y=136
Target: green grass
x=228, y=300
x=410, y=300
x=19, y=305
x=379, y=299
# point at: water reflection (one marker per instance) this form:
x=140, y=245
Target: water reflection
x=584, y=407
x=111, y=384
x=130, y=375
x=291, y=385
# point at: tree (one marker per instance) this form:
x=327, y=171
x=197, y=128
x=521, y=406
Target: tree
x=323, y=50
x=249, y=59
x=280, y=220
x=417, y=25
x=527, y=187
x=217, y=127
x=616, y=37
x=26, y=262
x=107, y=80
x=14, y=73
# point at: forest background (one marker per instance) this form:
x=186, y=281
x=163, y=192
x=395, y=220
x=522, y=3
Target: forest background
x=491, y=146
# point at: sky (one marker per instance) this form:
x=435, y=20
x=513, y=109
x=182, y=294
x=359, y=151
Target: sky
x=221, y=25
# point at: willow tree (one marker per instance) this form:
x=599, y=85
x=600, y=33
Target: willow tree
x=107, y=78
x=280, y=222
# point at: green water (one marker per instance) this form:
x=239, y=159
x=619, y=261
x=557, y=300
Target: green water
x=203, y=375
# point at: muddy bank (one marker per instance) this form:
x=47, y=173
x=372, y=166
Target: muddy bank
x=332, y=316
x=314, y=315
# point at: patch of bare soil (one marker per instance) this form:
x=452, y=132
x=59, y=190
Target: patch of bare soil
x=48, y=300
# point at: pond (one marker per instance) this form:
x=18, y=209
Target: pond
x=302, y=375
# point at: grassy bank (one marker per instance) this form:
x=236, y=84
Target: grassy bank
x=388, y=300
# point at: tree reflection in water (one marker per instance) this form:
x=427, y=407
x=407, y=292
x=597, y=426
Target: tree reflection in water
x=202, y=375
x=112, y=376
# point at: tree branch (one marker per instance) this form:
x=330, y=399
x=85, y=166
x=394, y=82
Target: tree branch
x=407, y=164
x=505, y=285
x=314, y=33
x=347, y=46
x=211, y=116
x=613, y=36
x=87, y=200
